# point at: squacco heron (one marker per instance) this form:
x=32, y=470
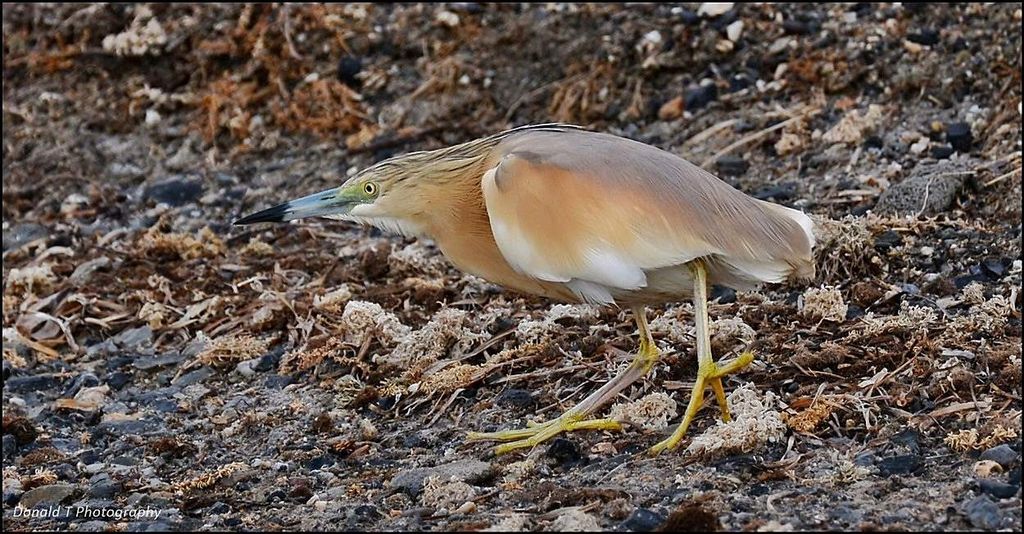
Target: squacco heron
x=585, y=217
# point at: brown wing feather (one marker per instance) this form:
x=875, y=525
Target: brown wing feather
x=571, y=192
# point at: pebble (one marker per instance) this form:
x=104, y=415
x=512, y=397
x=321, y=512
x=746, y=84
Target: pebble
x=175, y=191
x=724, y=295
x=887, y=240
x=732, y=165
x=783, y=191
x=795, y=27
x=29, y=384
x=959, y=135
x=700, y=96
x=642, y=520
x=269, y=361
x=1002, y=455
x=152, y=362
x=470, y=471
x=104, y=489
x=566, y=452
x=925, y=37
x=117, y=380
x=983, y=513
x=10, y=447
x=19, y=234
x=84, y=380
x=46, y=495
x=942, y=151
x=516, y=398
x=194, y=377
x=999, y=490
x=349, y=68
x=900, y=465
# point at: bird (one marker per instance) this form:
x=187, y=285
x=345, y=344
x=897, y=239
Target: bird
x=580, y=216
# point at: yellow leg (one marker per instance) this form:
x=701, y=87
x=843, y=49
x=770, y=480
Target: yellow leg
x=575, y=417
x=708, y=372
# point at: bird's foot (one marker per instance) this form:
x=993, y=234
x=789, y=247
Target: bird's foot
x=709, y=375
x=537, y=433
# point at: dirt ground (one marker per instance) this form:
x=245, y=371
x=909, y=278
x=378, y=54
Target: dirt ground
x=320, y=375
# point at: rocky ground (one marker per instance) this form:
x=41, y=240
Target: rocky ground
x=323, y=376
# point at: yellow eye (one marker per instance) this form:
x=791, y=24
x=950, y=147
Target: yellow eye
x=370, y=189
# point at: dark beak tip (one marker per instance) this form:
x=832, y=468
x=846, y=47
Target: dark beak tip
x=275, y=214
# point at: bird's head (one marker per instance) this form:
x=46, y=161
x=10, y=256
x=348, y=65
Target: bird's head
x=382, y=195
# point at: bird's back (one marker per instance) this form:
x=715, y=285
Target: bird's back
x=588, y=208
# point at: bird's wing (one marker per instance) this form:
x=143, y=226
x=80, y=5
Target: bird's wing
x=600, y=209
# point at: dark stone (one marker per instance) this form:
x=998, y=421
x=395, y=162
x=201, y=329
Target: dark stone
x=1013, y=477
x=874, y=141
x=500, y=324
x=1002, y=455
x=10, y=447
x=30, y=384
x=232, y=522
x=738, y=82
x=783, y=191
x=411, y=480
x=153, y=362
x=732, y=165
x=959, y=135
x=516, y=398
x=84, y=380
x=566, y=452
x=854, y=311
x=348, y=69
x=276, y=381
x=700, y=96
x=983, y=513
x=175, y=191
x=689, y=17
x=319, y=462
x=270, y=360
x=900, y=465
x=887, y=240
x=999, y=490
x=11, y=498
x=277, y=495
x=994, y=267
x=104, y=489
x=193, y=377
x=942, y=151
x=118, y=380
x=909, y=438
x=642, y=520
x=724, y=295
x=925, y=37
x=219, y=508
x=795, y=27
x=19, y=234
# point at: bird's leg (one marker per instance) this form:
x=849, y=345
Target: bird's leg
x=575, y=417
x=708, y=372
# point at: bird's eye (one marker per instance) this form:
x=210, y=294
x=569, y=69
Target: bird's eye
x=370, y=189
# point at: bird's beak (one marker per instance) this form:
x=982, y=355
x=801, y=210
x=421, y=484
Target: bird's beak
x=330, y=202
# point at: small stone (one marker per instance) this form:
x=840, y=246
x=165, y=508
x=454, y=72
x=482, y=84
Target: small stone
x=795, y=27
x=714, y=9
x=10, y=447
x=942, y=151
x=732, y=165
x=515, y=398
x=47, y=495
x=900, y=465
x=724, y=295
x=700, y=96
x=925, y=37
x=269, y=361
x=219, y=508
x=118, y=380
x=84, y=380
x=994, y=267
x=349, y=68
x=959, y=135
x=783, y=191
x=734, y=30
x=411, y=480
x=983, y=513
x=999, y=490
x=175, y=191
x=30, y=384
x=642, y=520
x=566, y=452
x=1002, y=455
x=104, y=489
